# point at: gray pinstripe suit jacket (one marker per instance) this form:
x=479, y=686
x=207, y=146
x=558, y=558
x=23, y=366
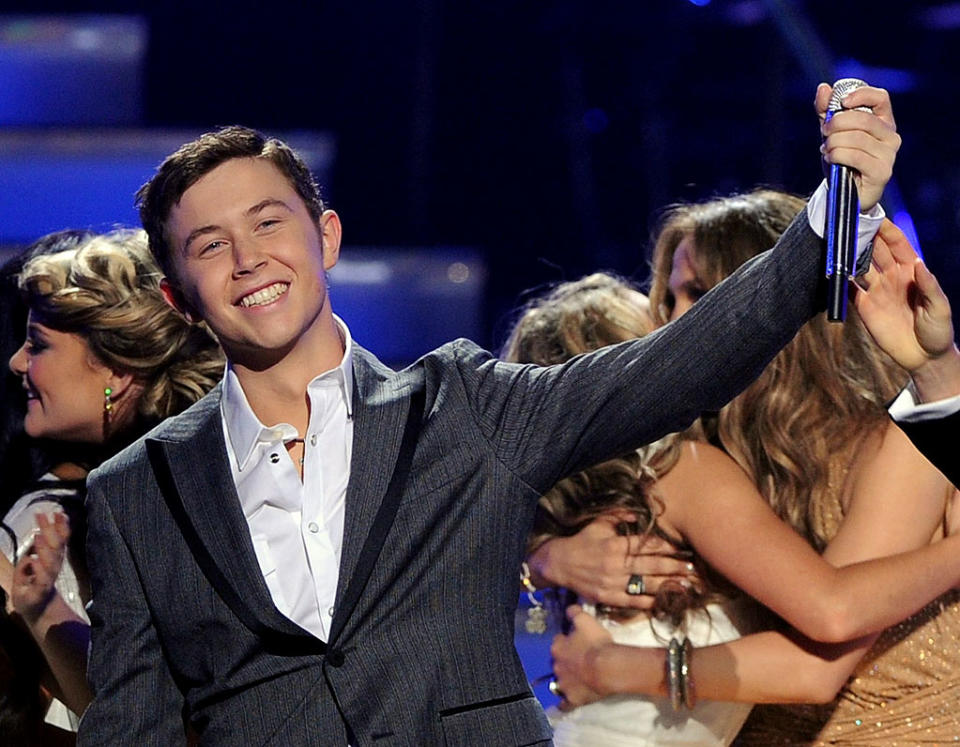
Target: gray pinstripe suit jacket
x=425, y=656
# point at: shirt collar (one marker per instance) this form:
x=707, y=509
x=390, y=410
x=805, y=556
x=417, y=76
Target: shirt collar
x=243, y=427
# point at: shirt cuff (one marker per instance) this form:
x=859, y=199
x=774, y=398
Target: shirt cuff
x=906, y=409
x=868, y=224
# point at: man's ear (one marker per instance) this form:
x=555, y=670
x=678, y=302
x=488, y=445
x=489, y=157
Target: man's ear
x=330, y=233
x=174, y=298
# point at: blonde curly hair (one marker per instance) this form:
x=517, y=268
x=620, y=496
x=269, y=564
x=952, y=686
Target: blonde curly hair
x=108, y=291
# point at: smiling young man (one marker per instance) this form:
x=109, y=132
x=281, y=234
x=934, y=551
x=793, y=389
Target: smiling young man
x=325, y=551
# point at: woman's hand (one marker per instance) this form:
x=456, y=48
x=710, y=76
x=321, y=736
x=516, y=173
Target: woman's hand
x=6, y=581
x=908, y=315
x=575, y=657
x=36, y=572
x=599, y=563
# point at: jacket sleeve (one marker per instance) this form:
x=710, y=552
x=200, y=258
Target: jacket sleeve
x=938, y=440
x=136, y=700
x=546, y=423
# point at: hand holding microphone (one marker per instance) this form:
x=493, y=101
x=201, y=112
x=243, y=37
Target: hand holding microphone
x=860, y=146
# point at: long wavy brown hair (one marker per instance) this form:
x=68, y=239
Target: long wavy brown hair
x=796, y=429
x=573, y=318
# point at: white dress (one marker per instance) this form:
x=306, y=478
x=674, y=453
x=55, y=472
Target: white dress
x=634, y=720
x=20, y=525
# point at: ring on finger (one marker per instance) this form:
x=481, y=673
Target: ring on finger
x=636, y=585
x=555, y=689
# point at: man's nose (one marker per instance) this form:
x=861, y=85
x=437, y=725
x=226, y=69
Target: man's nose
x=247, y=256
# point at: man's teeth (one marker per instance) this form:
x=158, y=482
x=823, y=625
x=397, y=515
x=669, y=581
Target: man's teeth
x=264, y=295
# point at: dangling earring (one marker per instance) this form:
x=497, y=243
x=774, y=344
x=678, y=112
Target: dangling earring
x=107, y=404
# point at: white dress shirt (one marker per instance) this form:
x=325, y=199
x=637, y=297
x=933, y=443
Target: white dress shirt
x=296, y=526
x=907, y=409
x=867, y=225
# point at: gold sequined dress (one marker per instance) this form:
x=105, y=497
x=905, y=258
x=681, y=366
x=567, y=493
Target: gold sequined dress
x=905, y=691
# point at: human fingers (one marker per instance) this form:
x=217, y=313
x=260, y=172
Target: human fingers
x=877, y=99
x=897, y=243
x=872, y=157
x=881, y=262
x=872, y=172
x=585, y=629
x=822, y=99
x=573, y=610
x=6, y=573
x=56, y=532
x=33, y=588
x=861, y=151
x=61, y=525
x=929, y=286
x=648, y=543
x=645, y=578
x=935, y=325
x=42, y=562
x=875, y=136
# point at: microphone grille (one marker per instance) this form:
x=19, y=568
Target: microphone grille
x=840, y=89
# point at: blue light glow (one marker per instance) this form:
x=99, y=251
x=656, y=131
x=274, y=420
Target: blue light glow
x=898, y=81
x=905, y=222
x=595, y=120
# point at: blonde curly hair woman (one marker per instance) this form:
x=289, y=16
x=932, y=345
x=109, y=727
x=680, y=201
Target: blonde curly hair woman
x=105, y=358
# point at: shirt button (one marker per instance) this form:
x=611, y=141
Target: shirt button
x=330, y=612
x=274, y=458
x=312, y=526
x=313, y=439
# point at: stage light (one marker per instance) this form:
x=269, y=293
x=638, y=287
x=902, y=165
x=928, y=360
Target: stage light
x=904, y=221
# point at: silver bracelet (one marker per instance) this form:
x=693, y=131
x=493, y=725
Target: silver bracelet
x=674, y=684
x=686, y=677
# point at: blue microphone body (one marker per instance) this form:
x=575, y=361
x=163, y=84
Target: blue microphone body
x=843, y=210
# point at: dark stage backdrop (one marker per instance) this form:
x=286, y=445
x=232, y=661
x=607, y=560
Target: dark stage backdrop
x=546, y=136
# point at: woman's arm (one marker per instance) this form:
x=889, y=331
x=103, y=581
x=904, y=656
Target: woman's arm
x=711, y=501
x=767, y=667
x=897, y=503
x=908, y=315
x=63, y=636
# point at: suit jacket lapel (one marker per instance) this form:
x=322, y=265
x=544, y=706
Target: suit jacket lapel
x=380, y=410
x=198, y=468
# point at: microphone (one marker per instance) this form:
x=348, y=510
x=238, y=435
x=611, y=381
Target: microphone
x=843, y=211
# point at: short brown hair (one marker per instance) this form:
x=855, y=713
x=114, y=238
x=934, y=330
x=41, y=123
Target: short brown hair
x=195, y=159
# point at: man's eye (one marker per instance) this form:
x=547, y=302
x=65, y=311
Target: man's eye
x=268, y=223
x=211, y=247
